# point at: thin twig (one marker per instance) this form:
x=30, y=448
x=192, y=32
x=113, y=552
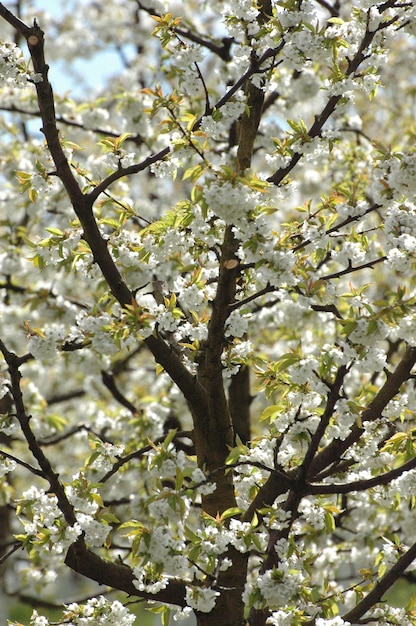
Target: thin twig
x=137, y=454
x=12, y=550
x=31, y=469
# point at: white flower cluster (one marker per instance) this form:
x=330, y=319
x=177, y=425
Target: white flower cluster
x=399, y=227
x=13, y=71
x=216, y=127
x=83, y=497
x=44, y=347
x=245, y=10
x=281, y=618
x=231, y=202
x=37, y=620
x=166, y=168
x=278, y=587
x=95, y=117
x=4, y=387
x=236, y=325
x=361, y=335
x=44, y=522
x=145, y=579
x=234, y=356
x=248, y=476
x=201, y=598
x=387, y=615
x=6, y=465
x=105, y=454
x=95, y=612
x=98, y=330
x=98, y=612
x=185, y=57
x=312, y=513
x=122, y=159
x=165, y=554
x=406, y=330
x=401, y=175
x=331, y=621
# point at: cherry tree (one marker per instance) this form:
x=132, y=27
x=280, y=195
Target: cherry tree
x=208, y=328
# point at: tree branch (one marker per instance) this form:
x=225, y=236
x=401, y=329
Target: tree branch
x=222, y=51
x=118, y=576
x=14, y=21
x=381, y=586
x=31, y=469
x=82, y=205
x=361, y=485
x=136, y=139
x=333, y=397
x=391, y=387
x=333, y=9
x=137, y=454
x=13, y=363
x=275, y=485
x=350, y=269
x=110, y=383
x=320, y=120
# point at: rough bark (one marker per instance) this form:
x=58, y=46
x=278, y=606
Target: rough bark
x=239, y=400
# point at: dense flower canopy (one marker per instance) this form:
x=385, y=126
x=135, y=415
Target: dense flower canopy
x=207, y=312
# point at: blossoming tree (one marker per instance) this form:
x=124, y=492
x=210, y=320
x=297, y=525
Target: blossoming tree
x=208, y=328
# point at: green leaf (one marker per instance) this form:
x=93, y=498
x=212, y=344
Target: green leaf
x=231, y=512
x=121, y=139
x=165, y=616
x=270, y=413
x=191, y=536
x=55, y=231
x=329, y=522
x=335, y=20
x=169, y=438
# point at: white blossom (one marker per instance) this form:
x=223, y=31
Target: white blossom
x=201, y=598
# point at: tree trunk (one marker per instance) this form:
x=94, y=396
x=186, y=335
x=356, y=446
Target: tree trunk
x=239, y=400
x=229, y=608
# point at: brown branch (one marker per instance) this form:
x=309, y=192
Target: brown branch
x=219, y=430
x=332, y=399
x=381, y=586
x=119, y=576
x=321, y=119
x=222, y=51
x=391, y=387
x=214, y=435
x=275, y=485
x=137, y=139
x=110, y=383
x=350, y=269
x=137, y=454
x=82, y=205
x=333, y=9
x=14, y=21
x=12, y=550
x=126, y=171
x=336, y=227
x=239, y=401
x=64, y=397
x=52, y=441
x=361, y=485
x=239, y=303
x=13, y=364
x=314, y=131
x=31, y=469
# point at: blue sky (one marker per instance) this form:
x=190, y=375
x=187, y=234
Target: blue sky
x=101, y=66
